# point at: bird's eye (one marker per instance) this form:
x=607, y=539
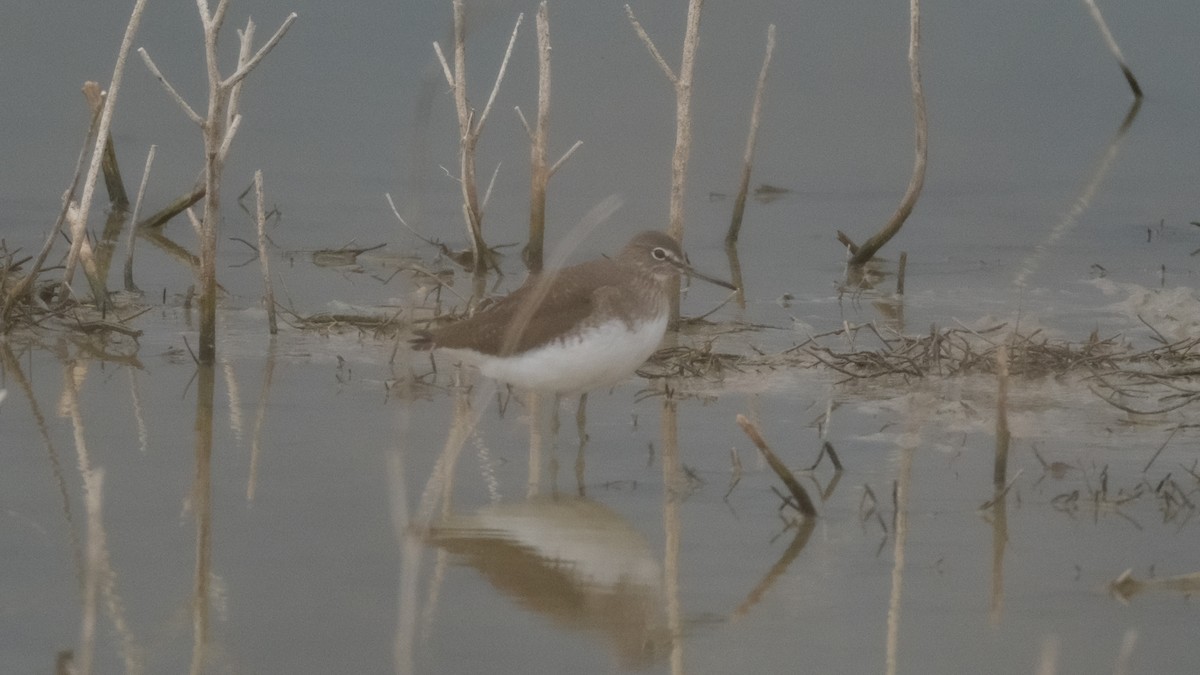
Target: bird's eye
x=659, y=253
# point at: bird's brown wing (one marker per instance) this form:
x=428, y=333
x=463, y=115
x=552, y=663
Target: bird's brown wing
x=541, y=310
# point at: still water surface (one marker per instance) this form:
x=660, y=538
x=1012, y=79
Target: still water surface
x=340, y=522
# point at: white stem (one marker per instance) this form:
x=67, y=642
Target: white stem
x=230, y=132
x=658, y=57
x=110, y=102
x=244, y=70
x=499, y=75
x=437, y=49
x=565, y=157
x=133, y=220
x=524, y=122
x=187, y=109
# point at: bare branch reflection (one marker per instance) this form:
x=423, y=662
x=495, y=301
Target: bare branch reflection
x=1033, y=261
x=200, y=503
x=674, y=487
x=804, y=529
x=260, y=416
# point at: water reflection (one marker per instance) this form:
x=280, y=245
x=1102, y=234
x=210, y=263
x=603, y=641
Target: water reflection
x=1083, y=201
x=102, y=607
x=200, y=505
x=572, y=560
x=804, y=528
x=569, y=558
x=1126, y=586
x=613, y=573
x=566, y=557
x=1000, y=485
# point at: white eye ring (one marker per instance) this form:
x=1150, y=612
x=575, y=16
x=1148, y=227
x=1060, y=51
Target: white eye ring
x=659, y=253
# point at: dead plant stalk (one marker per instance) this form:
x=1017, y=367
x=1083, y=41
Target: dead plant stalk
x=539, y=173
x=803, y=502
x=133, y=221
x=682, y=82
x=739, y=206
x=79, y=246
x=22, y=287
x=1111, y=43
x=260, y=219
x=470, y=127
x=871, y=246
x=218, y=127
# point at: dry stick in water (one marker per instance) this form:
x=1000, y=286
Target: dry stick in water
x=871, y=246
x=803, y=503
x=21, y=288
x=108, y=164
x=133, y=222
x=218, y=128
x=682, y=82
x=181, y=204
x=1000, y=489
x=739, y=206
x=78, y=232
x=470, y=127
x=1112, y=47
x=827, y=448
x=735, y=274
x=1000, y=463
x=261, y=221
x=97, y=259
x=540, y=174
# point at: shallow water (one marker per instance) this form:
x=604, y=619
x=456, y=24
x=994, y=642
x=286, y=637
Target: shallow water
x=345, y=520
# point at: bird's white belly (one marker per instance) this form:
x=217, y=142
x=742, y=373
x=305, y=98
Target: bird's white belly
x=599, y=356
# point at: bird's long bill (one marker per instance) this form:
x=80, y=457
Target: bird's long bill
x=688, y=269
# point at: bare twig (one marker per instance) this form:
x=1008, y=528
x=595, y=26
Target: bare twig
x=871, y=246
x=803, y=503
x=78, y=232
x=682, y=82
x=739, y=206
x=565, y=156
x=1112, y=47
x=153, y=68
x=437, y=49
x=244, y=67
x=539, y=176
x=261, y=222
x=539, y=173
x=133, y=219
x=22, y=287
x=219, y=127
x=108, y=165
x=487, y=108
x=470, y=127
x=245, y=43
x=396, y=212
x=658, y=57
x=227, y=141
x=181, y=204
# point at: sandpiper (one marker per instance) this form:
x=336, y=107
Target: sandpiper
x=577, y=328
